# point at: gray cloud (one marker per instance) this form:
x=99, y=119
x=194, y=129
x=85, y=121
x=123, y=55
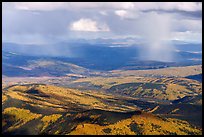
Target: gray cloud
x=48, y=6
x=48, y=22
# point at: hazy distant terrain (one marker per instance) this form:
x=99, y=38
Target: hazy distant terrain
x=17, y=62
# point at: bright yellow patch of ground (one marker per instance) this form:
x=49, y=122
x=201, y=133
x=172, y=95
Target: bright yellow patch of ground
x=20, y=116
x=4, y=98
x=49, y=119
x=145, y=125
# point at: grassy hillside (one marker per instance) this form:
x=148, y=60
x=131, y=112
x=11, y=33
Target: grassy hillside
x=138, y=124
x=100, y=122
x=163, y=72
x=46, y=109
x=157, y=88
x=60, y=99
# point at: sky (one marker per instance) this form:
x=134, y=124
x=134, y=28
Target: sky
x=48, y=22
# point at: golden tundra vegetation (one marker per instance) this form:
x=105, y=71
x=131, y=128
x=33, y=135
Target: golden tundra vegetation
x=144, y=124
x=158, y=88
x=4, y=98
x=31, y=108
x=63, y=99
x=167, y=72
x=18, y=116
x=49, y=119
x=49, y=109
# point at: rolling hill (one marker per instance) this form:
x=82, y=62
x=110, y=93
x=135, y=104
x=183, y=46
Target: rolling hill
x=149, y=87
x=56, y=110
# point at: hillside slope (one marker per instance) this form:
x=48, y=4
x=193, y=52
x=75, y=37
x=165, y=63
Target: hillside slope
x=45, y=109
x=149, y=87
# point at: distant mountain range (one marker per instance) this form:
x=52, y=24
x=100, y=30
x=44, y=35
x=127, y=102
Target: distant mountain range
x=63, y=58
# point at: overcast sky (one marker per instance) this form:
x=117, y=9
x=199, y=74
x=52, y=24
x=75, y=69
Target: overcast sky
x=48, y=22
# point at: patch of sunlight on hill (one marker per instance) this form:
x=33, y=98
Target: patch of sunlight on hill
x=176, y=87
x=20, y=88
x=171, y=71
x=111, y=81
x=74, y=96
x=18, y=116
x=140, y=125
x=49, y=119
x=18, y=95
x=62, y=98
x=4, y=98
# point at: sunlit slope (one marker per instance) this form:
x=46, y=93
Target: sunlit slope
x=13, y=118
x=45, y=109
x=164, y=72
x=93, y=122
x=60, y=99
x=157, y=88
x=22, y=121
x=98, y=122
x=30, y=109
